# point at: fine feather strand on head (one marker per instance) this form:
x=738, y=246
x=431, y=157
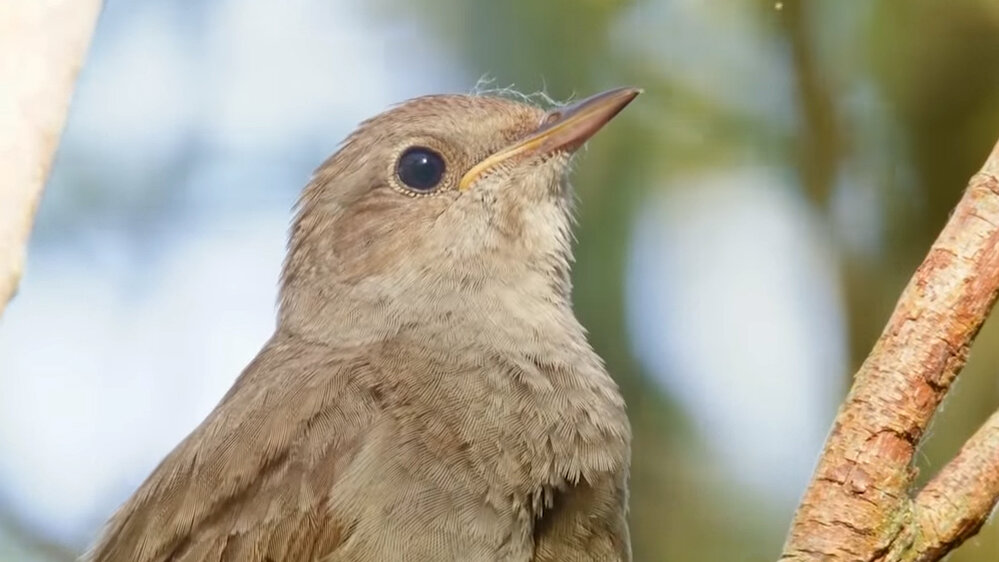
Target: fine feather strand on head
x=486, y=86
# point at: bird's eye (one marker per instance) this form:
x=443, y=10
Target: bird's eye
x=420, y=168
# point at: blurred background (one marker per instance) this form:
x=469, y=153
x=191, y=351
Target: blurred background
x=744, y=228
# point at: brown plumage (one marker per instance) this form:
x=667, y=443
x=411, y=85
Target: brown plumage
x=428, y=393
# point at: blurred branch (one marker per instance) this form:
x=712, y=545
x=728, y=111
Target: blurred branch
x=42, y=45
x=858, y=506
x=820, y=137
x=820, y=147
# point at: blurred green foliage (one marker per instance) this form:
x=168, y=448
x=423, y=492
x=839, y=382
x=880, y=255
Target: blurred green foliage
x=932, y=69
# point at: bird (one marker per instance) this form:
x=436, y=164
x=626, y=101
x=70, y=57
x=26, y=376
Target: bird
x=428, y=393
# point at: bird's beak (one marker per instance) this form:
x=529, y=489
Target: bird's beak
x=564, y=129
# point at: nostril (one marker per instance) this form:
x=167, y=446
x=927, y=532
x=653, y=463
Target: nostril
x=551, y=117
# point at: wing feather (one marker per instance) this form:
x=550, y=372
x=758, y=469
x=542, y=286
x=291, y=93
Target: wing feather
x=251, y=483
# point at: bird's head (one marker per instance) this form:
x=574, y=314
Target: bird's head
x=435, y=202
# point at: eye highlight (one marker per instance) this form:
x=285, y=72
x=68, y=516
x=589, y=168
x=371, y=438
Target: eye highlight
x=420, y=169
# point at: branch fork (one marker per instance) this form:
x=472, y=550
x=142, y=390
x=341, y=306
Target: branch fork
x=858, y=506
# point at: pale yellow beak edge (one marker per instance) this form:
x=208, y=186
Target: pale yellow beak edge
x=564, y=129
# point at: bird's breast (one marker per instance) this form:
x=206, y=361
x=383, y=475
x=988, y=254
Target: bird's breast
x=511, y=425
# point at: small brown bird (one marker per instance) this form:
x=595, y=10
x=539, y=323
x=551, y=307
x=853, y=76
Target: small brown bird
x=428, y=394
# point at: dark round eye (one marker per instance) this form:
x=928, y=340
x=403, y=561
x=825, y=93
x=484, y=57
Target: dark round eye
x=420, y=168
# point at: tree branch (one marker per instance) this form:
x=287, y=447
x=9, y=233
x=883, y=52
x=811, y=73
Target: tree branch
x=858, y=506
x=42, y=45
x=955, y=504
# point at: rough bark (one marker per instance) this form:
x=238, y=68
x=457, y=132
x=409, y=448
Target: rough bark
x=42, y=45
x=955, y=504
x=858, y=505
